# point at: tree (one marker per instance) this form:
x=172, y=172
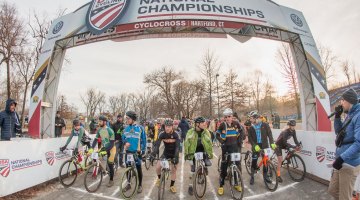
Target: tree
x=346, y=69
x=233, y=93
x=91, y=100
x=12, y=38
x=209, y=67
x=328, y=60
x=288, y=70
x=162, y=80
x=255, y=84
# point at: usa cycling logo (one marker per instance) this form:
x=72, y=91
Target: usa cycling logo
x=4, y=167
x=103, y=14
x=58, y=27
x=320, y=153
x=50, y=157
x=296, y=19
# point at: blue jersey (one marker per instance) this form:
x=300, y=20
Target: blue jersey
x=136, y=136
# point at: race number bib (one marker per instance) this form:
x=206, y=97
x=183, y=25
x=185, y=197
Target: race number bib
x=95, y=155
x=267, y=151
x=199, y=156
x=235, y=157
x=165, y=164
x=130, y=158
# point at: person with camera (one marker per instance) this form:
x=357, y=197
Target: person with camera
x=347, y=162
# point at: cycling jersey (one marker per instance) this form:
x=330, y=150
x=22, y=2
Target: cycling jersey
x=285, y=135
x=75, y=133
x=107, y=138
x=135, y=135
x=231, y=136
x=192, y=141
x=171, y=144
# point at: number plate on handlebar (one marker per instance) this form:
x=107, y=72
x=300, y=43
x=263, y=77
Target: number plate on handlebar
x=149, y=145
x=165, y=164
x=235, y=157
x=199, y=156
x=268, y=151
x=95, y=155
x=130, y=158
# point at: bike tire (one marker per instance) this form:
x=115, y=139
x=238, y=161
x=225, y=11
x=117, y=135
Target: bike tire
x=147, y=163
x=131, y=172
x=88, y=161
x=247, y=162
x=93, y=172
x=296, y=160
x=68, y=164
x=199, y=179
x=219, y=163
x=271, y=173
x=236, y=174
x=161, y=189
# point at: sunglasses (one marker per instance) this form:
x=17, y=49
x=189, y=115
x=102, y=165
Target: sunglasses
x=228, y=116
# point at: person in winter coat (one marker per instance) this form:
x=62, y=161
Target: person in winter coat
x=184, y=126
x=9, y=121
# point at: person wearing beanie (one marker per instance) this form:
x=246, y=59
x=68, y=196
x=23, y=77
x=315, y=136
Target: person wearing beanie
x=347, y=163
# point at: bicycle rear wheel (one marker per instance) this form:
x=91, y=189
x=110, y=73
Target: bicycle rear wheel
x=270, y=179
x=296, y=168
x=93, y=178
x=200, y=183
x=88, y=161
x=236, y=183
x=68, y=173
x=247, y=161
x=161, y=190
x=129, y=183
x=147, y=162
x=219, y=163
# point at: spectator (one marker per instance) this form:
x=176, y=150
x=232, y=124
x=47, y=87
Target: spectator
x=118, y=128
x=93, y=126
x=9, y=121
x=59, y=125
x=184, y=126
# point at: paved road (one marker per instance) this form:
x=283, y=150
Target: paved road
x=306, y=189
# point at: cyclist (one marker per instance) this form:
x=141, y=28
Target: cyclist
x=171, y=141
x=118, y=128
x=108, y=142
x=134, y=138
x=77, y=131
x=230, y=135
x=258, y=135
x=282, y=143
x=198, y=139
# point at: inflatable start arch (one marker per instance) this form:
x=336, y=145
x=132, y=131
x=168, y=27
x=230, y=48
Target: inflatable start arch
x=124, y=20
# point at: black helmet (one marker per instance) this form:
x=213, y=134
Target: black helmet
x=132, y=115
x=76, y=122
x=199, y=120
x=168, y=122
x=291, y=122
x=103, y=118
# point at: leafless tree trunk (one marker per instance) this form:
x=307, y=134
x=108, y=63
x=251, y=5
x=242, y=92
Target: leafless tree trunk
x=91, y=100
x=328, y=60
x=288, y=70
x=346, y=69
x=209, y=67
x=12, y=38
x=255, y=84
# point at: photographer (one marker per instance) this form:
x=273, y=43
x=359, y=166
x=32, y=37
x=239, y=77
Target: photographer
x=347, y=163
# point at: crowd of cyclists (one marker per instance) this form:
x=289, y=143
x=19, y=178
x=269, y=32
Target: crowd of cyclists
x=186, y=136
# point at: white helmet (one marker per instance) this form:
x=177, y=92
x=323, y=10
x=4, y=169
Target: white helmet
x=227, y=112
x=254, y=114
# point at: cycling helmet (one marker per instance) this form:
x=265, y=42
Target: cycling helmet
x=168, y=122
x=291, y=122
x=103, y=118
x=132, y=115
x=254, y=114
x=227, y=112
x=76, y=122
x=199, y=120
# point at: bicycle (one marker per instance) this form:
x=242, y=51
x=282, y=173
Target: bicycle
x=70, y=169
x=235, y=175
x=294, y=163
x=270, y=179
x=199, y=176
x=247, y=161
x=148, y=161
x=96, y=171
x=130, y=178
x=165, y=173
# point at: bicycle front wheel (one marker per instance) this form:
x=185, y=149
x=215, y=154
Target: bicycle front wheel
x=200, y=183
x=270, y=179
x=247, y=161
x=93, y=178
x=68, y=173
x=129, y=183
x=161, y=190
x=147, y=162
x=296, y=168
x=219, y=163
x=236, y=183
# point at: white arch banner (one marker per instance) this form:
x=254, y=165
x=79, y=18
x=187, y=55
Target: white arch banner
x=121, y=20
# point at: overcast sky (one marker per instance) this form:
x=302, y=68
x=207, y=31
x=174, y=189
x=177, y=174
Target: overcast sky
x=333, y=23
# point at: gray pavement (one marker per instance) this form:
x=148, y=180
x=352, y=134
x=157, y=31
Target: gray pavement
x=306, y=189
